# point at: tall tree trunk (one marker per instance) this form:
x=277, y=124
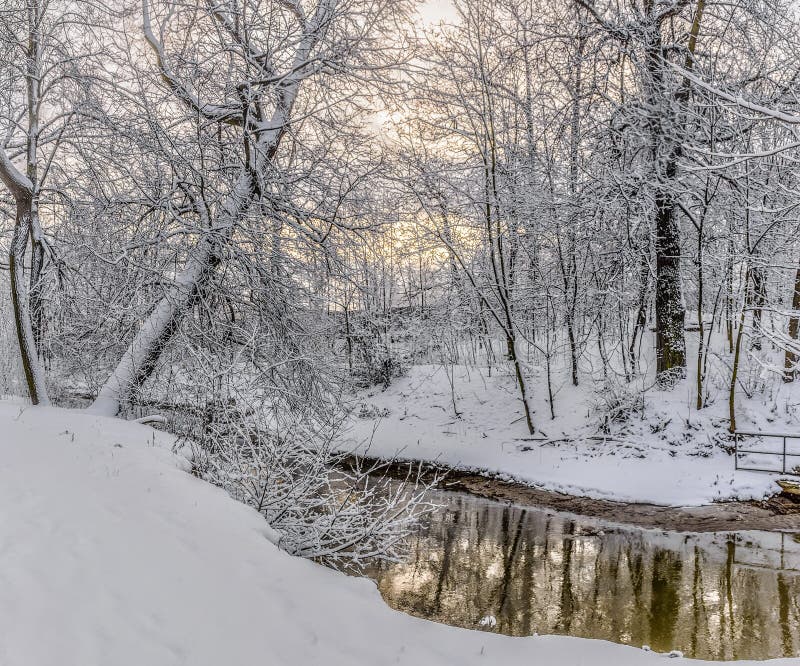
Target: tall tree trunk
x=759, y=299
x=670, y=313
x=31, y=365
x=570, y=271
x=501, y=259
x=33, y=85
x=790, y=361
x=737, y=356
x=24, y=189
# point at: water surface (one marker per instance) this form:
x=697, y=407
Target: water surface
x=519, y=571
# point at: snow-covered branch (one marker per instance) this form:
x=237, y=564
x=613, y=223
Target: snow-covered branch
x=214, y=112
x=16, y=181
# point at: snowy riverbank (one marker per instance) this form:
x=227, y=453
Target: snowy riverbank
x=111, y=553
x=670, y=454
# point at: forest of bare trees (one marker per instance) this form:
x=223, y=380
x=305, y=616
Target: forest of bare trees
x=258, y=207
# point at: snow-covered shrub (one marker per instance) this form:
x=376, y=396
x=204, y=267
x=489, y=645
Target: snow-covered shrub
x=325, y=505
x=373, y=347
x=375, y=365
x=617, y=403
x=258, y=415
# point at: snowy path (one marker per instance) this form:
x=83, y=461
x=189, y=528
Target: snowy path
x=111, y=554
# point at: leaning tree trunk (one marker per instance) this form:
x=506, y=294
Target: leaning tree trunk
x=261, y=144
x=141, y=356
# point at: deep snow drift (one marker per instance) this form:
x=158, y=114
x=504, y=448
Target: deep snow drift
x=111, y=553
x=668, y=454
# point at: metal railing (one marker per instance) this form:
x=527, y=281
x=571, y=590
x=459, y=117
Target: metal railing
x=783, y=453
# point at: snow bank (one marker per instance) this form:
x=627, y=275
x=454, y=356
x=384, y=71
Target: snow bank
x=667, y=458
x=110, y=553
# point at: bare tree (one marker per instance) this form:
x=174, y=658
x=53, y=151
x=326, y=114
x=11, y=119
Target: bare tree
x=270, y=53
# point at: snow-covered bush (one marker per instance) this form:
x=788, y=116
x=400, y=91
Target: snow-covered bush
x=250, y=387
x=374, y=363
x=617, y=403
x=325, y=506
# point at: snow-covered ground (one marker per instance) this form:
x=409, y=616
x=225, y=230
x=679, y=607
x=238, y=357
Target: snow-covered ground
x=111, y=553
x=667, y=453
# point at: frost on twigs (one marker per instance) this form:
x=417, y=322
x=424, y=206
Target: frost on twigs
x=616, y=404
x=286, y=469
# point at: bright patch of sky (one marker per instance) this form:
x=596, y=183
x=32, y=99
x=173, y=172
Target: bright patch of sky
x=432, y=12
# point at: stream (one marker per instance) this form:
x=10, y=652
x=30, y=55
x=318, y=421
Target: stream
x=498, y=567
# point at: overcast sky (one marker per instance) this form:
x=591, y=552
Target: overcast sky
x=433, y=11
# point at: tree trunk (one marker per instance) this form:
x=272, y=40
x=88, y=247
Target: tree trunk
x=512, y=347
x=759, y=298
x=790, y=361
x=31, y=365
x=573, y=350
x=641, y=312
x=139, y=359
x=259, y=150
x=736, y=357
x=35, y=282
x=729, y=297
x=24, y=189
x=670, y=313
x=571, y=272
x=700, y=315
x=666, y=147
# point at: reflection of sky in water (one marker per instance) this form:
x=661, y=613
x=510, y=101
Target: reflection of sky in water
x=712, y=596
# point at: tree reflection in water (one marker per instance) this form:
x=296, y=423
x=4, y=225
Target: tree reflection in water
x=712, y=596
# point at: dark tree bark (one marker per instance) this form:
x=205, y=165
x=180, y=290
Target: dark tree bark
x=790, y=361
x=670, y=312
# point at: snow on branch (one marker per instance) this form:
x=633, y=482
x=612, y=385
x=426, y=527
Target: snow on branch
x=16, y=181
x=738, y=100
x=217, y=112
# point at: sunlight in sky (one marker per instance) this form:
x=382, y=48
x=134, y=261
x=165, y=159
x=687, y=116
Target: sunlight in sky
x=434, y=11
